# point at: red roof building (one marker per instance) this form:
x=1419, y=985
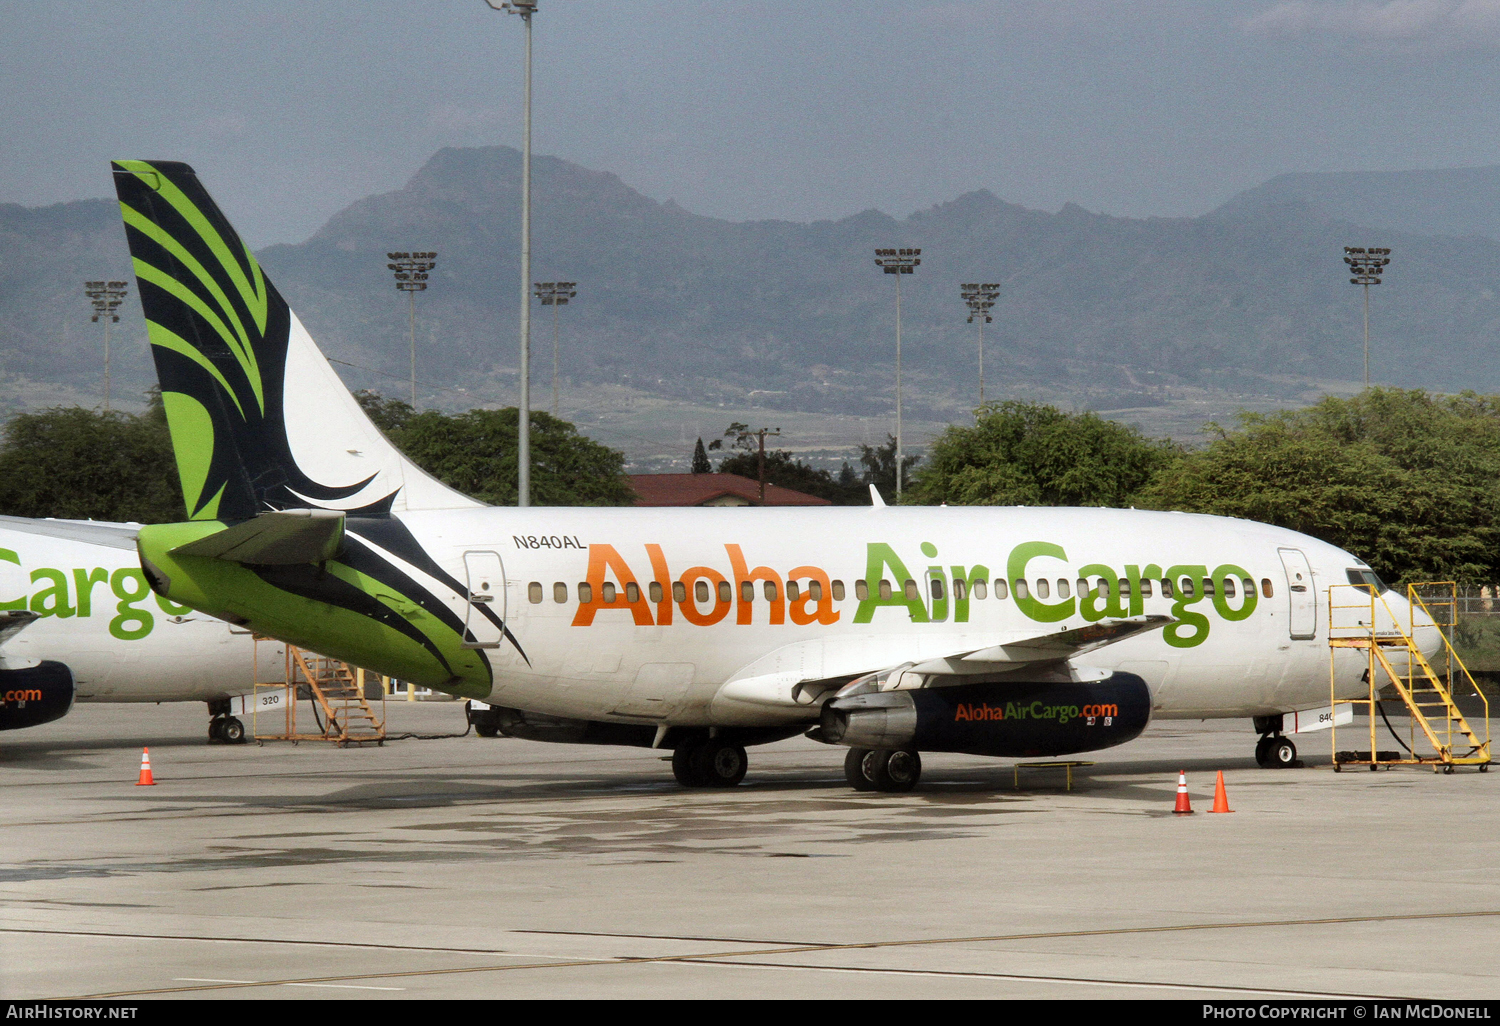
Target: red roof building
x=714, y=490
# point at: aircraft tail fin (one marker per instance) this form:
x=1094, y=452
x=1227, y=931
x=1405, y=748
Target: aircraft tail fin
x=259, y=419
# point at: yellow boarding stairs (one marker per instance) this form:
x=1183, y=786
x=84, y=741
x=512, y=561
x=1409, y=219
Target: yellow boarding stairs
x=1439, y=735
x=337, y=689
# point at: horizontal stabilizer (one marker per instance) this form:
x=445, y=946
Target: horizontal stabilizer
x=12, y=621
x=275, y=539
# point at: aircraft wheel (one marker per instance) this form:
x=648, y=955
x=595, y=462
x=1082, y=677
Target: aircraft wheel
x=718, y=763
x=1283, y=753
x=1263, y=752
x=232, y=730
x=857, y=771
x=486, y=730
x=897, y=770
x=213, y=729
x=682, y=764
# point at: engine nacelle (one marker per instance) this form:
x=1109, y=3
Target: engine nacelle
x=1014, y=719
x=33, y=695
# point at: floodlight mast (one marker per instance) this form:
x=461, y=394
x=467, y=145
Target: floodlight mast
x=555, y=294
x=411, y=277
x=1367, y=265
x=980, y=300
x=525, y=8
x=106, y=297
x=898, y=262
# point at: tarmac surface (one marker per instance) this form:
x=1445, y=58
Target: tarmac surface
x=467, y=867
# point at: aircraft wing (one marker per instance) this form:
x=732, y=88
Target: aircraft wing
x=781, y=684
x=275, y=539
x=12, y=622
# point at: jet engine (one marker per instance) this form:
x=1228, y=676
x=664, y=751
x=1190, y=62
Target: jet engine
x=33, y=695
x=1012, y=719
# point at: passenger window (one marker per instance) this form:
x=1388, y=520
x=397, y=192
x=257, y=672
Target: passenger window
x=885, y=589
x=1104, y=587
x=1265, y=586
x=1124, y=588
x=1229, y=589
x=1208, y=586
x=1083, y=587
x=1043, y=589
x=632, y=592
x=726, y=592
x=815, y=589
x=980, y=590
x=910, y=591
x=1187, y=587
x=700, y=591
x=861, y=590
x=769, y=589
x=654, y=590
x=1064, y=590
x=1249, y=585
x=534, y=592
x=838, y=591
x=1002, y=590
x=585, y=592
x=937, y=588
x=1146, y=588
x=679, y=592
x=1166, y=587
x=959, y=589
x=1021, y=590
x=792, y=591
x=559, y=592
x=747, y=591
x=607, y=592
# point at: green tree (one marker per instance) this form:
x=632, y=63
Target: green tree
x=475, y=452
x=1029, y=454
x=79, y=464
x=700, y=460
x=1403, y=479
x=879, y=462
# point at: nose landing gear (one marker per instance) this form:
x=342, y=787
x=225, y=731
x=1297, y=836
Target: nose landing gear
x=1276, y=752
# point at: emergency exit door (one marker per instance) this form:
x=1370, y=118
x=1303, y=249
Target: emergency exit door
x=1302, y=596
x=486, y=608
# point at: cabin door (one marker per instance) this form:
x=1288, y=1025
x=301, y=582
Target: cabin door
x=1302, y=596
x=485, y=613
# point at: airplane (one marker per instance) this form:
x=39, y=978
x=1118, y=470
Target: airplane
x=889, y=631
x=79, y=623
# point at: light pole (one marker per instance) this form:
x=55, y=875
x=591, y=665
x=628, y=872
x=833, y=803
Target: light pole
x=898, y=262
x=411, y=277
x=555, y=294
x=106, y=297
x=981, y=299
x=1367, y=265
x=525, y=8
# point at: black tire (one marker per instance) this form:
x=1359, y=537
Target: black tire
x=854, y=769
x=719, y=763
x=232, y=730
x=213, y=730
x=897, y=769
x=486, y=730
x=1263, y=752
x=1283, y=753
x=682, y=764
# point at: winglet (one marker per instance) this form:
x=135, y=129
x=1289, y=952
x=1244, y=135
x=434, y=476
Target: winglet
x=875, y=499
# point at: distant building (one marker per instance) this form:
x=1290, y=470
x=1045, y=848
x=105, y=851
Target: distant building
x=714, y=490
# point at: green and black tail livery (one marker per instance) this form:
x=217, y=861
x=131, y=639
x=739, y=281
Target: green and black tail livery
x=259, y=419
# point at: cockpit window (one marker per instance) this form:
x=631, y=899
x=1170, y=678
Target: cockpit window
x=1363, y=576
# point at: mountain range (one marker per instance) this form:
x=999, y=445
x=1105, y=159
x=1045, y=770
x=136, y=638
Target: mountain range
x=1251, y=299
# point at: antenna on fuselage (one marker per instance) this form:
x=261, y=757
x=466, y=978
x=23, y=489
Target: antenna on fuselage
x=875, y=499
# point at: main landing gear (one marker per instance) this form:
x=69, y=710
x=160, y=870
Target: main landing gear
x=709, y=762
x=882, y=769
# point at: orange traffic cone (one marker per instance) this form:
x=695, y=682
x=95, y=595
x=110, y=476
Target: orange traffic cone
x=1221, y=800
x=146, y=780
x=1184, y=807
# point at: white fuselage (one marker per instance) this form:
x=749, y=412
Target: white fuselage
x=99, y=618
x=654, y=657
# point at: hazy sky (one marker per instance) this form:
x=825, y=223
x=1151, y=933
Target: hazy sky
x=795, y=109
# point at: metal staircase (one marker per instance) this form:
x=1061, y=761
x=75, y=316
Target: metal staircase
x=1439, y=734
x=337, y=690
